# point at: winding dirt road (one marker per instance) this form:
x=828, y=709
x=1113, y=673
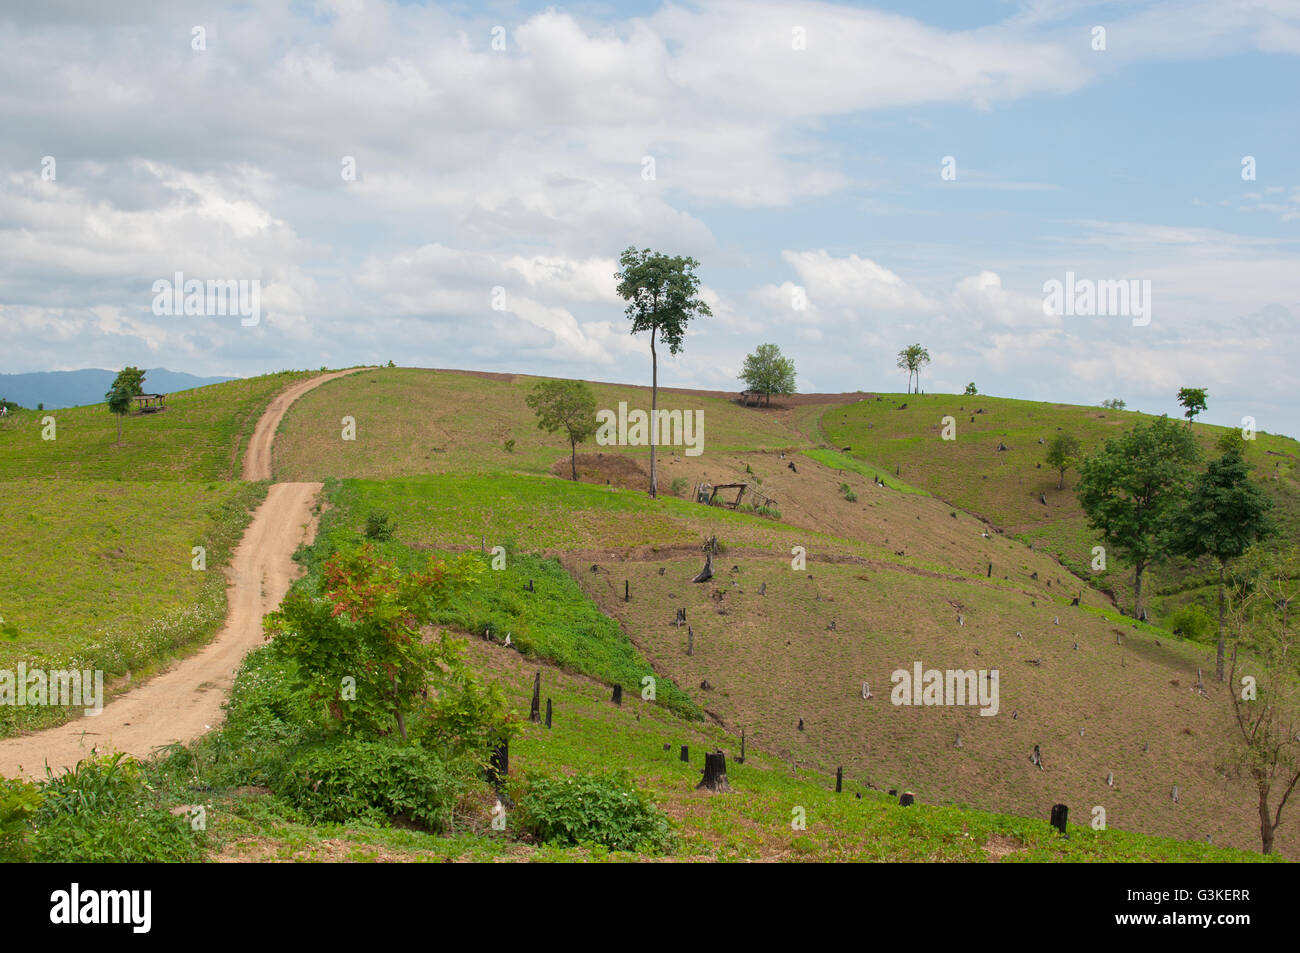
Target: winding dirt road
x=185, y=700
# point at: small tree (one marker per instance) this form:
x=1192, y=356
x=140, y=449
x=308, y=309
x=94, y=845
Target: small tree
x=970, y=389
x=1193, y=401
x=565, y=405
x=767, y=372
x=1265, y=701
x=1062, y=454
x=1113, y=403
x=1232, y=442
x=132, y=378
x=360, y=648
x=663, y=296
x=911, y=359
x=119, y=401
x=1133, y=488
x=1225, y=514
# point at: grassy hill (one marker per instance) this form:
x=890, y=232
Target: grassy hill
x=200, y=436
x=900, y=434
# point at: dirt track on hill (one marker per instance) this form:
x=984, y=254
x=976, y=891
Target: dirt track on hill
x=257, y=458
x=186, y=700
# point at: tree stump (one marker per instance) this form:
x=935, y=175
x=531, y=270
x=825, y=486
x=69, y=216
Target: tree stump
x=627, y=591
x=906, y=799
x=715, y=773
x=1059, y=814
x=705, y=574
x=686, y=754
x=548, y=713
x=618, y=695
x=839, y=780
x=741, y=759
x=535, y=710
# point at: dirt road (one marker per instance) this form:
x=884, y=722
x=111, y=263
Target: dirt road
x=185, y=700
x=257, y=458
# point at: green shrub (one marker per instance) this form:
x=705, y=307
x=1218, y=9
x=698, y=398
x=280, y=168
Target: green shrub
x=373, y=782
x=605, y=809
x=378, y=528
x=18, y=802
x=1191, y=622
x=678, y=486
x=103, y=811
x=510, y=445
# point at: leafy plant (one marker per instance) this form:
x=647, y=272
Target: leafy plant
x=606, y=809
x=18, y=803
x=678, y=486
x=378, y=527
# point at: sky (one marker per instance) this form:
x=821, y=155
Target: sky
x=450, y=185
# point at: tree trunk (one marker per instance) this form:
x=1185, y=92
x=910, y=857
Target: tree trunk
x=1137, y=589
x=1265, y=822
x=1060, y=484
x=1219, y=656
x=535, y=711
x=119, y=430
x=573, y=459
x=654, y=406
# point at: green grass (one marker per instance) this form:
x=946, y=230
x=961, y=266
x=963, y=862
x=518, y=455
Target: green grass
x=200, y=436
x=99, y=574
x=840, y=461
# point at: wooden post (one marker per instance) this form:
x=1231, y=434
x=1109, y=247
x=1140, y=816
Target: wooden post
x=499, y=766
x=618, y=695
x=686, y=754
x=741, y=759
x=548, y=713
x=906, y=799
x=690, y=641
x=839, y=780
x=989, y=574
x=535, y=710
x=1059, y=814
x=627, y=591
x=715, y=772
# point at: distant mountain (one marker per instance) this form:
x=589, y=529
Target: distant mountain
x=56, y=389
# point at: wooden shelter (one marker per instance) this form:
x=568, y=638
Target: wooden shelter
x=149, y=403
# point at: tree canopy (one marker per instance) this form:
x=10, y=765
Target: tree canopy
x=911, y=359
x=568, y=406
x=768, y=372
x=1193, y=401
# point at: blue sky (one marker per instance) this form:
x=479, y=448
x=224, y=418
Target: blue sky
x=784, y=170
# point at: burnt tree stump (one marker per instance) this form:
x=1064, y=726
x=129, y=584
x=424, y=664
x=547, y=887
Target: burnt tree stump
x=839, y=780
x=741, y=759
x=618, y=695
x=686, y=754
x=690, y=641
x=705, y=574
x=1059, y=815
x=906, y=799
x=715, y=772
x=548, y=713
x=627, y=591
x=535, y=710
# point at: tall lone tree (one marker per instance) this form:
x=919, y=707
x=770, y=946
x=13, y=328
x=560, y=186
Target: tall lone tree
x=768, y=372
x=1062, y=454
x=1192, y=400
x=662, y=293
x=1225, y=514
x=128, y=383
x=1132, y=490
x=911, y=359
x=565, y=405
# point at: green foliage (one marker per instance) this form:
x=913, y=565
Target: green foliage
x=568, y=406
x=1225, y=513
x=678, y=486
x=1113, y=403
x=605, y=809
x=359, y=648
x=374, y=782
x=19, y=801
x=510, y=445
x=378, y=527
x=767, y=372
x=662, y=293
x=1132, y=489
x=1231, y=441
x=131, y=379
x=970, y=390
x=1193, y=401
x=1063, y=453
x=1191, y=622
x=103, y=810
x=847, y=492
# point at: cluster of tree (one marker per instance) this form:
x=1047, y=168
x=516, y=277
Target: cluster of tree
x=1114, y=403
x=911, y=359
x=1144, y=493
